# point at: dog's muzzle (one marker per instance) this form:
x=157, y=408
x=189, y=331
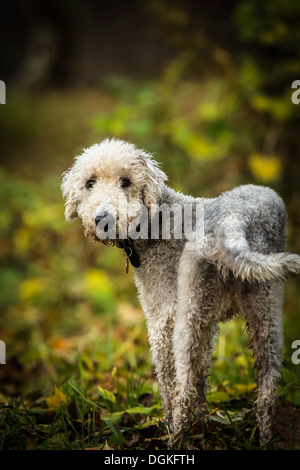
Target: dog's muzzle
x=98, y=218
x=105, y=223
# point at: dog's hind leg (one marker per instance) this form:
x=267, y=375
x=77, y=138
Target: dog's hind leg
x=261, y=304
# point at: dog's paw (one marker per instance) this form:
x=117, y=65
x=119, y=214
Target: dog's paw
x=174, y=442
x=176, y=439
x=168, y=422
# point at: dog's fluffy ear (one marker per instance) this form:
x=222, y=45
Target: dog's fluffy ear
x=69, y=194
x=154, y=179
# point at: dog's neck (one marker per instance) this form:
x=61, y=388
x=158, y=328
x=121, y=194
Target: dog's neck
x=131, y=248
x=170, y=197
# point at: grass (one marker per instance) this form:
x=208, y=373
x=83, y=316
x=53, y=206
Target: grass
x=81, y=414
x=89, y=406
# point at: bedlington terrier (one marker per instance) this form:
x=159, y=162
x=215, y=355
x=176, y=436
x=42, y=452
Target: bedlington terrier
x=197, y=262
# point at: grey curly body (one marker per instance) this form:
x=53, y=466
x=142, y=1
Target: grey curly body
x=238, y=267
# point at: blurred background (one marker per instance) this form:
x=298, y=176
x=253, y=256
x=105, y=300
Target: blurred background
x=206, y=88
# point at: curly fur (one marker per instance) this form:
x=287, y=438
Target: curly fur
x=238, y=267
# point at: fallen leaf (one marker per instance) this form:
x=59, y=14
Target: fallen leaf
x=57, y=399
x=106, y=394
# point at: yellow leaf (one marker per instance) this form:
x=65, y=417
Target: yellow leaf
x=209, y=111
x=22, y=240
x=265, y=168
x=106, y=394
x=279, y=108
x=3, y=400
x=57, y=399
x=30, y=288
x=218, y=397
x=107, y=446
x=242, y=361
x=244, y=389
x=114, y=372
x=96, y=280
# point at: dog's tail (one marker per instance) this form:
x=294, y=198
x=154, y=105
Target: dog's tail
x=233, y=253
x=254, y=266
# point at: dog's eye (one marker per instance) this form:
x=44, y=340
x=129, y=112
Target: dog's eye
x=125, y=182
x=90, y=183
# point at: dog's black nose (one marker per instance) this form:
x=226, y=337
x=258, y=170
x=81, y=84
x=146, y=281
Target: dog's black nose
x=98, y=218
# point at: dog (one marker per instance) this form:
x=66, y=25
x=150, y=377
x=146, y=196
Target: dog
x=230, y=261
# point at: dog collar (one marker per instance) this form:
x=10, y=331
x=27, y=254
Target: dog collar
x=129, y=252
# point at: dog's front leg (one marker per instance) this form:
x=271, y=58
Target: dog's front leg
x=193, y=346
x=195, y=328
x=160, y=338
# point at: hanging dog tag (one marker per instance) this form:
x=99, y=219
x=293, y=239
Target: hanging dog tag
x=127, y=256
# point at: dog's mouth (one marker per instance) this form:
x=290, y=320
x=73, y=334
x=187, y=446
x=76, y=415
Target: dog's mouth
x=104, y=241
x=103, y=236
x=111, y=229
x=108, y=232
